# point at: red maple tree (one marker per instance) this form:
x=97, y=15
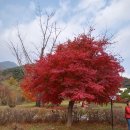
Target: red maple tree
x=78, y=70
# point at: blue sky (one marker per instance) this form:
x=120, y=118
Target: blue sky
x=73, y=15
x=20, y=10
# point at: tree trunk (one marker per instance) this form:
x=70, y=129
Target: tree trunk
x=69, y=114
x=38, y=103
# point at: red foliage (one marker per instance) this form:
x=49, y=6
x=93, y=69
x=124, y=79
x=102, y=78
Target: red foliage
x=79, y=70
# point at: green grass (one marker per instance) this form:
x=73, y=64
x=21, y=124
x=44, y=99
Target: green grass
x=57, y=126
x=64, y=105
x=115, y=106
x=27, y=105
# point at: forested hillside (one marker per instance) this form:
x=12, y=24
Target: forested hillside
x=16, y=73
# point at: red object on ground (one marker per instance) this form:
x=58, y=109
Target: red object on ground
x=127, y=112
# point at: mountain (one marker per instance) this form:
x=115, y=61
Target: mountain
x=7, y=64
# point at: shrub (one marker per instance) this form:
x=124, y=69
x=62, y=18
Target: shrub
x=35, y=115
x=11, y=102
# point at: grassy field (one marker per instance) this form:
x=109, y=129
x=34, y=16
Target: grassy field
x=56, y=126
x=65, y=104
x=115, y=106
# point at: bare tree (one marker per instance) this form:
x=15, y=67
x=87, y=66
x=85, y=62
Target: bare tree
x=50, y=33
x=15, y=52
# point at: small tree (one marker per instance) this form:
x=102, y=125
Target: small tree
x=125, y=94
x=4, y=94
x=79, y=70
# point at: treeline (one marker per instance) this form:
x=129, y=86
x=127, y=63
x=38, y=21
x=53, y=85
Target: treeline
x=126, y=83
x=16, y=73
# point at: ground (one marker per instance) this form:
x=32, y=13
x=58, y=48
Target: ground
x=56, y=126
x=60, y=126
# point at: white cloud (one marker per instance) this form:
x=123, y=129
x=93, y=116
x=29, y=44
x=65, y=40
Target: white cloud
x=92, y=5
x=126, y=74
x=30, y=33
x=114, y=15
x=74, y=19
x=123, y=46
